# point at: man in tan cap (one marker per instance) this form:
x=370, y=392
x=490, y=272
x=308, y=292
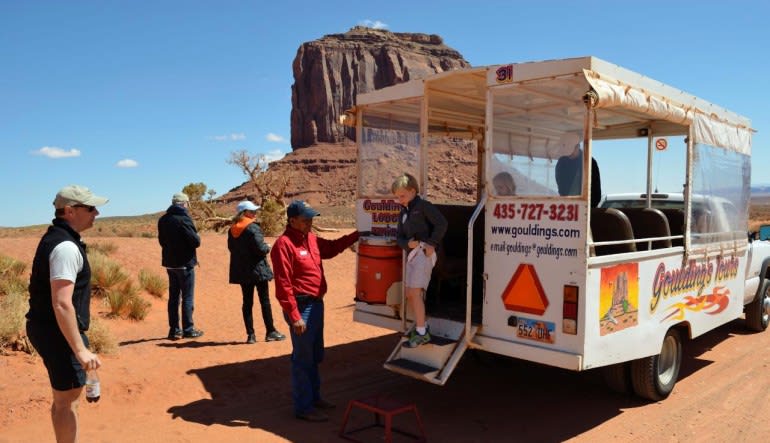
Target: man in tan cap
x=178, y=240
x=59, y=304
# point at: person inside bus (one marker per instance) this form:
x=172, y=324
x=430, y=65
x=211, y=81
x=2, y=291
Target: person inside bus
x=504, y=184
x=569, y=170
x=421, y=227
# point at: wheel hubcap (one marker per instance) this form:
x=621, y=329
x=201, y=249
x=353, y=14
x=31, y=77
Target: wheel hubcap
x=667, y=360
x=766, y=308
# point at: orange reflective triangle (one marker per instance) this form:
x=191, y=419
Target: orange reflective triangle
x=524, y=292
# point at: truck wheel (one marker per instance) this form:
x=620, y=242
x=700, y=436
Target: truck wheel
x=654, y=377
x=618, y=377
x=758, y=311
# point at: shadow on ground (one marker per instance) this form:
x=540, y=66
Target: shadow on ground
x=489, y=397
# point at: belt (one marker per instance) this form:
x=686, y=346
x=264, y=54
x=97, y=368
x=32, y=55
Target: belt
x=305, y=299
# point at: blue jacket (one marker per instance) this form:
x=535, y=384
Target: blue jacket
x=178, y=238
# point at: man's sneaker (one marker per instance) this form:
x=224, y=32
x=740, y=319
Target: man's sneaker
x=313, y=415
x=251, y=339
x=274, y=336
x=417, y=340
x=192, y=333
x=323, y=404
x=174, y=334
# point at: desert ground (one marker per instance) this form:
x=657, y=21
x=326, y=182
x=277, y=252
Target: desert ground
x=217, y=388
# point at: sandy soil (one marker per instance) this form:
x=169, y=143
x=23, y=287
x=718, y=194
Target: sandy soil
x=219, y=389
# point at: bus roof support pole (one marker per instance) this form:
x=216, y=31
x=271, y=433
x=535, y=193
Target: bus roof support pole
x=469, y=269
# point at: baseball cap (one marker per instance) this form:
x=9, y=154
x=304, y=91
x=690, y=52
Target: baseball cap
x=180, y=197
x=77, y=195
x=299, y=208
x=246, y=206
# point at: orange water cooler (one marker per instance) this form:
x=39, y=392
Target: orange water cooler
x=379, y=269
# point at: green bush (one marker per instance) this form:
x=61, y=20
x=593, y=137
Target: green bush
x=153, y=283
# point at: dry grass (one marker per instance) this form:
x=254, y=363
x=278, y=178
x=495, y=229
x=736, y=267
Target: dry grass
x=105, y=274
x=100, y=339
x=138, y=308
x=104, y=248
x=118, y=298
x=153, y=283
x=13, y=304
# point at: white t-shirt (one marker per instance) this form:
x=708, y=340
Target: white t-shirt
x=65, y=262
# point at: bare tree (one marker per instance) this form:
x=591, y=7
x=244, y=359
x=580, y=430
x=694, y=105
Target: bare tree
x=268, y=184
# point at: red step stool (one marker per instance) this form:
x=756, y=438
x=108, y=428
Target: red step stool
x=387, y=408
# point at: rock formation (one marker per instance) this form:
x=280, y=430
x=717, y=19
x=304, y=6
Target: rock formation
x=330, y=71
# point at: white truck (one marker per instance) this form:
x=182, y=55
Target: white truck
x=543, y=275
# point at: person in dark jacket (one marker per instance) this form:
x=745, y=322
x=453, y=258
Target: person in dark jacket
x=421, y=227
x=178, y=240
x=59, y=305
x=569, y=171
x=250, y=269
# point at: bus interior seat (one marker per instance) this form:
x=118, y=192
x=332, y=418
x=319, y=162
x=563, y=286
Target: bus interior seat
x=675, y=218
x=609, y=224
x=647, y=223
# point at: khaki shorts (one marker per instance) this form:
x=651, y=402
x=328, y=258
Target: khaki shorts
x=419, y=268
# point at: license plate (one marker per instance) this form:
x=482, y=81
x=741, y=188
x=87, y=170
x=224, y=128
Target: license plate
x=537, y=330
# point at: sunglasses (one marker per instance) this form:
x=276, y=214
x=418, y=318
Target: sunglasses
x=90, y=208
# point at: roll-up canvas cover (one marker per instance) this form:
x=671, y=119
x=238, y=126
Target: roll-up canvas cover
x=711, y=124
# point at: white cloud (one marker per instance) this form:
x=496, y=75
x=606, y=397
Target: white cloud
x=229, y=137
x=275, y=154
x=376, y=24
x=127, y=163
x=54, y=152
x=275, y=138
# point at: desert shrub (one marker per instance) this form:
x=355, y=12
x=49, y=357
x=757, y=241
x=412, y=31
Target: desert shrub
x=105, y=274
x=272, y=217
x=13, y=307
x=118, y=298
x=11, y=268
x=153, y=283
x=100, y=339
x=13, y=304
x=138, y=308
x=104, y=248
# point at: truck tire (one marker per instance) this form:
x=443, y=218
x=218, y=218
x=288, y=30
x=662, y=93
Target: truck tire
x=618, y=377
x=758, y=311
x=654, y=377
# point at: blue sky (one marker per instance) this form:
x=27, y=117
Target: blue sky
x=136, y=99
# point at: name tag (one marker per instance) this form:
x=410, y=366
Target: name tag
x=302, y=253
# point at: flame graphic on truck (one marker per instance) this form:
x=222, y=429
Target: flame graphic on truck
x=711, y=304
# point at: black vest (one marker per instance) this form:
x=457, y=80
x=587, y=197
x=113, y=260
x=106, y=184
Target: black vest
x=40, y=304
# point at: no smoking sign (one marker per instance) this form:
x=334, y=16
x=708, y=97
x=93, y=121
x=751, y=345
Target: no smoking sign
x=661, y=144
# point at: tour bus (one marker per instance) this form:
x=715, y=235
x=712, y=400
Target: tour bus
x=545, y=273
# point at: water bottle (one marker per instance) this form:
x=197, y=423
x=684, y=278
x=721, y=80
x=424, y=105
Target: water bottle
x=93, y=390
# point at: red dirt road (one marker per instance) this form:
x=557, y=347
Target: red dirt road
x=218, y=389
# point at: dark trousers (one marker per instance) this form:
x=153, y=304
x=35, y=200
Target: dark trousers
x=181, y=286
x=307, y=352
x=263, y=291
